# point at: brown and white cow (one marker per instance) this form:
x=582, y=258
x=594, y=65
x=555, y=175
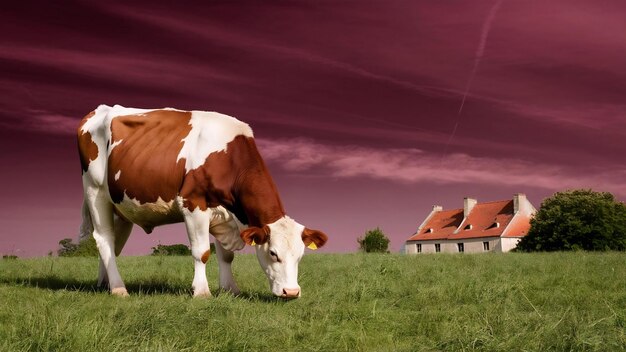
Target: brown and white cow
x=155, y=167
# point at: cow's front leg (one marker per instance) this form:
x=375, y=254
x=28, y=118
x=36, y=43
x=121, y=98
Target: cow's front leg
x=224, y=260
x=197, y=223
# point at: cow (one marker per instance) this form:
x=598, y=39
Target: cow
x=152, y=167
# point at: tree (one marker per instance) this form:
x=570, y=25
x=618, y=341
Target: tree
x=174, y=249
x=67, y=247
x=85, y=248
x=575, y=220
x=374, y=241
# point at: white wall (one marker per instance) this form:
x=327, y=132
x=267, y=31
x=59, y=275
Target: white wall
x=474, y=245
x=509, y=243
x=427, y=247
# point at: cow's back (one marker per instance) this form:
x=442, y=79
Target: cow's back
x=141, y=157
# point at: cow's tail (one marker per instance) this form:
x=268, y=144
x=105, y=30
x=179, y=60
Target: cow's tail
x=86, y=228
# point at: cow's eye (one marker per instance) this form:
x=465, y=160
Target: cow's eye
x=274, y=255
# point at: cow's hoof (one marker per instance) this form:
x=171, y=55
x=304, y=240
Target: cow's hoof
x=202, y=294
x=232, y=290
x=120, y=292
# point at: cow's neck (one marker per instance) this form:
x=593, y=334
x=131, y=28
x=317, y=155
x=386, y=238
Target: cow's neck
x=259, y=200
x=255, y=190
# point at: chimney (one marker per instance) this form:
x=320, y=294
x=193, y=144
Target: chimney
x=468, y=205
x=437, y=208
x=519, y=202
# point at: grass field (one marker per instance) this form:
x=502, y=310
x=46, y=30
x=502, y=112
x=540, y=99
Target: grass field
x=351, y=302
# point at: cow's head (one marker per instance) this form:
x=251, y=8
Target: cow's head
x=279, y=248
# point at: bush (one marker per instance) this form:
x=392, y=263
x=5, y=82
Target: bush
x=577, y=220
x=85, y=248
x=374, y=241
x=174, y=249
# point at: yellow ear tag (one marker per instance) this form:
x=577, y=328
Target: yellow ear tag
x=253, y=243
x=312, y=246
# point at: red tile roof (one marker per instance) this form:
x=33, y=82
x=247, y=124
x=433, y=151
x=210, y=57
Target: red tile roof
x=443, y=224
x=519, y=226
x=489, y=219
x=483, y=219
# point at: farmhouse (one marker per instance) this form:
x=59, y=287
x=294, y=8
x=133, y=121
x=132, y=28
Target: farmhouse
x=477, y=227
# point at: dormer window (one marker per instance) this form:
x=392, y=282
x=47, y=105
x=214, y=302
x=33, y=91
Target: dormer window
x=468, y=227
x=495, y=225
x=430, y=230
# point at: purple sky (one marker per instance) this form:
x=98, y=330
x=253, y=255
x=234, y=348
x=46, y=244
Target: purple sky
x=355, y=104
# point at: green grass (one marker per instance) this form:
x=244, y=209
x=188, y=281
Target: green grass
x=354, y=302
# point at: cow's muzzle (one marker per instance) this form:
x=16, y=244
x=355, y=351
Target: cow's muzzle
x=291, y=293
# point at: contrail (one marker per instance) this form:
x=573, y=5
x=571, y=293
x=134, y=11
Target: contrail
x=480, y=51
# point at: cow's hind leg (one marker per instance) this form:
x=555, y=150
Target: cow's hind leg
x=101, y=211
x=224, y=260
x=86, y=227
x=103, y=279
x=197, y=223
x=86, y=230
x=122, y=229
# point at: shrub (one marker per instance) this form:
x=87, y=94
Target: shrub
x=85, y=248
x=374, y=241
x=174, y=249
x=577, y=220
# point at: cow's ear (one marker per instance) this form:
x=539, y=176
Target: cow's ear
x=313, y=239
x=255, y=235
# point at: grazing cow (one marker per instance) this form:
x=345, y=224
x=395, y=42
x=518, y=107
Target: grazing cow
x=155, y=167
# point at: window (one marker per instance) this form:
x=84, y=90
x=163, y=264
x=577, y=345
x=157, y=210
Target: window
x=468, y=227
x=437, y=247
x=485, y=246
x=461, y=247
x=495, y=225
x=419, y=248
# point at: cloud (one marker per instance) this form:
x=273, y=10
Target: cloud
x=255, y=43
x=584, y=115
x=42, y=121
x=112, y=66
x=53, y=124
x=407, y=165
